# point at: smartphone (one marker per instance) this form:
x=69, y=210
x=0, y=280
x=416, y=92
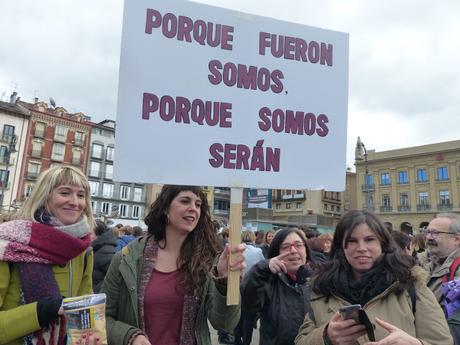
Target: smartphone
x=357, y=313
x=350, y=312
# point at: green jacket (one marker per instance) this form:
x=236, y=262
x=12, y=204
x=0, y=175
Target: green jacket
x=18, y=320
x=428, y=324
x=122, y=315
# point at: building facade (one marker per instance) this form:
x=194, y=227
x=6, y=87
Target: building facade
x=410, y=184
x=119, y=202
x=14, y=122
x=53, y=137
x=301, y=206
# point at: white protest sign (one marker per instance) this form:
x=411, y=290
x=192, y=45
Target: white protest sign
x=209, y=96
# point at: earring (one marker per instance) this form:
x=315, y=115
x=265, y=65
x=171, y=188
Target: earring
x=167, y=219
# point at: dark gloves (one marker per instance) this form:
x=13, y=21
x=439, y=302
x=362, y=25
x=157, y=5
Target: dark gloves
x=302, y=274
x=47, y=310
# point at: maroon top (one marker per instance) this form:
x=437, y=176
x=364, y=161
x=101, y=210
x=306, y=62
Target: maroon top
x=163, y=309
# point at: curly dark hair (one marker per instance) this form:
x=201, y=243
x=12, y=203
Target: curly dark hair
x=200, y=246
x=396, y=264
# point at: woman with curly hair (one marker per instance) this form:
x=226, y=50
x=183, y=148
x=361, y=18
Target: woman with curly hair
x=366, y=268
x=162, y=288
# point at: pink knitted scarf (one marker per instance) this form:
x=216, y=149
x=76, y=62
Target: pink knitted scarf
x=27, y=241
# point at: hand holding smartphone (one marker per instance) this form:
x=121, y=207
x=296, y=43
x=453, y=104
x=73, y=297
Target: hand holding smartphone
x=357, y=313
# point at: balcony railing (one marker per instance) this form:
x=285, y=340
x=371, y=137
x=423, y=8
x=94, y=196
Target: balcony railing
x=445, y=207
x=31, y=175
x=36, y=153
x=78, y=142
x=39, y=133
x=218, y=211
x=369, y=186
x=404, y=208
x=5, y=160
x=386, y=208
x=423, y=207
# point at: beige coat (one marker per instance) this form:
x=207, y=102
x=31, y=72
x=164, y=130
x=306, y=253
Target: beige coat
x=428, y=324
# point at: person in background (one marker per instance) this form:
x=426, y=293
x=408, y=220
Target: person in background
x=404, y=241
x=137, y=231
x=253, y=255
x=164, y=287
x=277, y=290
x=44, y=256
x=125, y=235
x=366, y=268
x=420, y=253
x=265, y=246
x=260, y=238
x=104, y=247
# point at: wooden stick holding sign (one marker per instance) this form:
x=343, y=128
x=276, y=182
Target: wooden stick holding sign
x=236, y=214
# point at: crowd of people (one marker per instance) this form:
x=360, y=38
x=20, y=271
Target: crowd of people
x=365, y=283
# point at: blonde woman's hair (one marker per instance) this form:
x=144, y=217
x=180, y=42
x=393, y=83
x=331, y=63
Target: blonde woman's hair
x=50, y=179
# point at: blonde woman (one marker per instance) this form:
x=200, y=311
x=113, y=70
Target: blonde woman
x=43, y=257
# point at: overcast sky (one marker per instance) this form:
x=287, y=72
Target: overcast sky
x=404, y=87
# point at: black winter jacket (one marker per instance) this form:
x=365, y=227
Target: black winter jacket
x=104, y=249
x=280, y=302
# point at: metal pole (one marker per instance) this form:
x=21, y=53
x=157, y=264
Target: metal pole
x=366, y=176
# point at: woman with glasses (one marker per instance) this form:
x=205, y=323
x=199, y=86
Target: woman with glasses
x=366, y=268
x=277, y=290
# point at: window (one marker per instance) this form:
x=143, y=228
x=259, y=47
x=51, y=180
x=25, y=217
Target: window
x=28, y=190
x=106, y=208
x=36, y=149
x=137, y=194
x=298, y=205
x=96, y=151
x=108, y=171
x=403, y=177
x=76, y=156
x=93, y=206
x=124, y=192
x=94, y=169
x=110, y=153
x=136, y=213
x=423, y=198
x=421, y=175
x=8, y=133
x=79, y=138
x=385, y=179
x=58, y=152
x=107, y=190
x=370, y=180
x=444, y=198
x=3, y=154
x=325, y=207
x=278, y=206
x=123, y=211
x=94, y=186
x=39, y=129
x=4, y=175
x=404, y=199
x=386, y=202
x=442, y=174
x=288, y=205
x=60, y=133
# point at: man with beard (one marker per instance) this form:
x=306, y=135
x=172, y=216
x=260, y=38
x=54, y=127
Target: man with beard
x=443, y=244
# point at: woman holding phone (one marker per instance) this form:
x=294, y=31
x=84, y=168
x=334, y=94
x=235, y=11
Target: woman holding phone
x=366, y=268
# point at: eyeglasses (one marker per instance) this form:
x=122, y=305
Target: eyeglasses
x=297, y=245
x=434, y=233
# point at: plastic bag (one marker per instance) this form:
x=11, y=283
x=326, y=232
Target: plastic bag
x=84, y=314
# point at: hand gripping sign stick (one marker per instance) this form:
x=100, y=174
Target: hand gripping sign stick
x=236, y=214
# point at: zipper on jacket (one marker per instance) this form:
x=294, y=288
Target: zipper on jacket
x=70, y=278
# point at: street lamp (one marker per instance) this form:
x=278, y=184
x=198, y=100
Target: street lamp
x=11, y=148
x=360, y=155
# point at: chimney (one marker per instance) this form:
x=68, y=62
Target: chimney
x=13, y=97
x=35, y=100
